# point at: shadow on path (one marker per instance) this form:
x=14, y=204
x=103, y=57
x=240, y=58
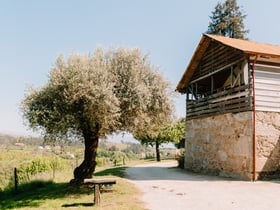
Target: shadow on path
x=167, y=171
x=166, y=187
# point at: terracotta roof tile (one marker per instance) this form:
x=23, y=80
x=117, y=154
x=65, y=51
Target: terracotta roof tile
x=248, y=47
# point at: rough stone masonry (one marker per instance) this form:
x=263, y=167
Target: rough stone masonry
x=223, y=144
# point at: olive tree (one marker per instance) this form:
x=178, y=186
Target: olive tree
x=93, y=96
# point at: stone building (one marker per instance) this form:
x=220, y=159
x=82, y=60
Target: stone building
x=232, y=92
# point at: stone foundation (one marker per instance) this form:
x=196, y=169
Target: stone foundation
x=221, y=145
x=268, y=143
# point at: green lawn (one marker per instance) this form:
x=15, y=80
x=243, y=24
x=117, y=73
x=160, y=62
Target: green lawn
x=61, y=195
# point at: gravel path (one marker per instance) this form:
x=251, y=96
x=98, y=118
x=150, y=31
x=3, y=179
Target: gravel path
x=165, y=187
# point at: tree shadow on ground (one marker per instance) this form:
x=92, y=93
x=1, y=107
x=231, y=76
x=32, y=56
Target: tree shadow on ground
x=35, y=193
x=170, y=173
x=77, y=205
x=116, y=171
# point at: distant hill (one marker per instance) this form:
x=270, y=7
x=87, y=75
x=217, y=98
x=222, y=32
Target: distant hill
x=7, y=139
x=122, y=138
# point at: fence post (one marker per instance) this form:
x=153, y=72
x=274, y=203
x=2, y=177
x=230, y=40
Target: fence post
x=16, y=178
x=53, y=172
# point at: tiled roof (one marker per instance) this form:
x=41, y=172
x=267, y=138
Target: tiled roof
x=248, y=47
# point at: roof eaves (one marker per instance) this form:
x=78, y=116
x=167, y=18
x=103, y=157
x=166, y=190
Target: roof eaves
x=199, y=51
x=245, y=46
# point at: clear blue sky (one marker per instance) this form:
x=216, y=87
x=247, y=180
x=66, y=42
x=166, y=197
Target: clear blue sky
x=34, y=33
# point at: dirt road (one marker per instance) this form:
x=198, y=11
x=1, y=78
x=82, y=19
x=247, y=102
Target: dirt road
x=167, y=188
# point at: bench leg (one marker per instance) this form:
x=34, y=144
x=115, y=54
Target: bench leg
x=96, y=194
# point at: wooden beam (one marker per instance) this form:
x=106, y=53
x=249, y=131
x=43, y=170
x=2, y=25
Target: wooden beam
x=216, y=71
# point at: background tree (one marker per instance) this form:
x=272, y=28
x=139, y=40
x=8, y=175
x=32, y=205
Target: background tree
x=165, y=132
x=228, y=20
x=175, y=131
x=150, y=140
x=116, y=90
x=151, y=135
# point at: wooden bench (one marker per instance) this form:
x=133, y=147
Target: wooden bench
x=97, y=184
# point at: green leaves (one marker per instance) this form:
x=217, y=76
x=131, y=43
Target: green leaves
x=168, y=132
x=227, y=20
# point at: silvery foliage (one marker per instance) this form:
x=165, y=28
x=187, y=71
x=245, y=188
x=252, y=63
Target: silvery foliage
x=114, y=90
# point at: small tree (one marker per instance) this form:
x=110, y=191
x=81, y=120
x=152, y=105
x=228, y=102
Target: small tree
x=167, y=132
x=176, y=131
x=227, y=20
x=94, y=96
x=152, y=141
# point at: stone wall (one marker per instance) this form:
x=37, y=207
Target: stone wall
x=220, y=145
x=268, y=142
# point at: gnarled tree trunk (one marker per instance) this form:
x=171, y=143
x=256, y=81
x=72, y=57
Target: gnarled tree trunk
x=157, y=151
x=87, y=167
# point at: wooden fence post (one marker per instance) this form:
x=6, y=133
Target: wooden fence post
x=53, y=172
x=16, y=178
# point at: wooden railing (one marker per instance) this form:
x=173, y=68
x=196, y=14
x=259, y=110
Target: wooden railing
x=238, y=99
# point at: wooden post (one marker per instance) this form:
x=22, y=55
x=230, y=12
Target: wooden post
x=53, y=172
x=97, y=183
x=96, y=194
x=16, y=178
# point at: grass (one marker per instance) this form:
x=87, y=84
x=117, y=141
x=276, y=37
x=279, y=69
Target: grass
x=51, y=195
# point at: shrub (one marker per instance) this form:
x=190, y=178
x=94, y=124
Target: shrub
x=27, y=170
x=181, y=160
